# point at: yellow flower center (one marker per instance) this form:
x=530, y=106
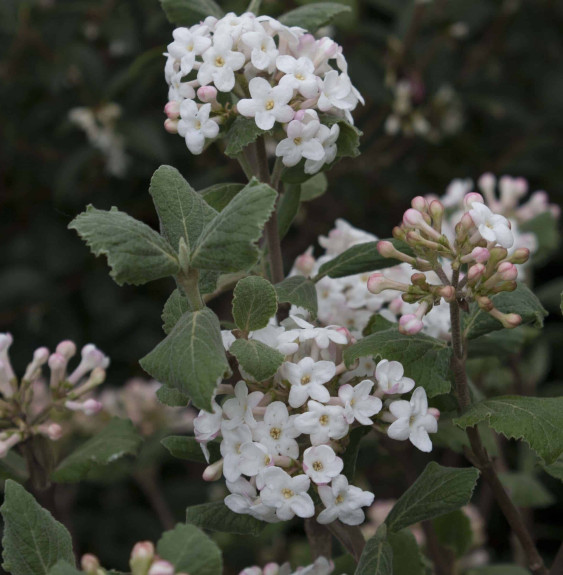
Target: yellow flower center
x=275, y=433
x=323, y=419
x=287, y=493
x=270, y=105
x=339, y=499
x=297, y=141
x=267, y=460
x=219, y=62
x=318, y=466
x=305, y=379
x=300, y=77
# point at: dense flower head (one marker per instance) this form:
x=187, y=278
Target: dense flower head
x=30, y=402
x=256, y=67
x=283, y=438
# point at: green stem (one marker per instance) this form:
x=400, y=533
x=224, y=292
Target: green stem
x=190, y=283
x=254, y=6
x=479, y=456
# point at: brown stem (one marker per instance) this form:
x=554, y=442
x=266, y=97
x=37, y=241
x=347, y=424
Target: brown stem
x=479, y=456
x=351, y=538
x=319, y=537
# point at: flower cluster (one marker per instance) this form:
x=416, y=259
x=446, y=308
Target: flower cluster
x=143, y=561
x=471, y=266
x=274, y=73
x=284, y=436
x=99, y=126
x=29, y=405
x=321, y=566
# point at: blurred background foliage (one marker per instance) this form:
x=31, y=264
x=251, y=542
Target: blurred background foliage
x=487, y=77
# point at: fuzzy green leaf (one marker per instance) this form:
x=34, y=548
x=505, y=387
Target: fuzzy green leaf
x=288, y=208
x=188, y=448
x=227, y=242
x=536, y=420
x=191, y=358
x=453, y=530
x=242, y=132
x=136, y=253
x=174, y=308
x=188, y=12
x=171, y=397
x=183, y=213
x=377, y=557
x=256, y=358
x=33, y=541
x=64, y=568
x=521, y=301
x=407, y=557
x=314, y=187
x=219, y=195
x=299, y=291
x=313, y=16
x=116, y=440
x=190, y=550
x=425, y=359
x=254, y=302
x=359, y=259
x=437, y=491
x=217, y=516
x=525, y=490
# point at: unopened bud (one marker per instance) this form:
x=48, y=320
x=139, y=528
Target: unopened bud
x=377, y=283
x=8, y=443
x=419, y=279
x=214, y=471
x=40, y=357
x=466, y=222
x=57, y=365
x=51, y=430
x=520, y=256
x=434, y=412
x=475, y=272
x=447, y=292
x=67, y=349
x=410, y=324
x=207, y=94
x=478, y=255
x=172, y=110
x=305, y=263
x=171, y=126
x=508, y=320
x=90, y=564
x=88, y=407
x=419, y=204
x=507, y=271
x=484, y=303
x=437, y=213
x=471, y=198
x=141, y=557
x=398, y=233
x=162, y=567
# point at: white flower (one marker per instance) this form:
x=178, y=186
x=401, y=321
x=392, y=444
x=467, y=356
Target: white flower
x=277, y=431
x=343, y=502
x=288, y=495
x=220, y=63
x=195, y=125
x=322, y=336
x=322, y=422
x=307, y=378
x=234, y=26
x=253, y=458
x=263, y=50
x=492, y=227
x=239, y=408
x=359, y=405
x=413, y=421
x=189, y=43
x=336, y=92
x=243, y=495
x=321, y=566
x=321, y=464
x=299, y=75
x=179, y=90
x=207, y=426
x=267, y=104
x=300, y=143
x=389, y=375
x=328, y=138
x=233, y=440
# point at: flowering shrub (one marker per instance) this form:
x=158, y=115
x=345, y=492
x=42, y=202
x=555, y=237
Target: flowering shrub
x=313, y=362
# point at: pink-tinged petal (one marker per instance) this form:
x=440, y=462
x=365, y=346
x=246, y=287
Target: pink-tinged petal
x=420, y=439
x=400, y=429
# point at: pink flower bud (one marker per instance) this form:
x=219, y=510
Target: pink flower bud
x=410, y=324
x=520, y=256
x=475, y=272
x=305, y=263
x=271, y=569
x=471, y=198
x=487, y=182
x=419, y=204
x=141, y=558
x=51, y=430
x=507, y=271
x=346, y=332
x=434, y=412
x=521, y=186
x=413, y=218
x=162, y=567
x=172, y=110
x=57, y=365
x=213, y=472
x=90, y=563
x=447, y=292
x=171, y=126
x=466, y=222
x=480, y=255
x=88, y=407
x=67, y=349
x=207, y=94
x=386, y=249
x=377, y=282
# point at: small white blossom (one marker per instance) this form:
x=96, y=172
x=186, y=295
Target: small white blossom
x=299, y=75
x=390, y=377
x=336, y=92
x=322, y=422
x=243, y=495
x=277, y=432
x=492, y=227
x=239, y=408
x=307, y=378
x=233, y=440
x=343, y=502
x=328, y=138
x=413, y=421
x=189, y=43
x=220, y=63
x=263, y=50
x=254, y=457
x=359, y=405
x=195, y=125
x=321, y=464
x=267, y=105
x=288, y=495
x=207, y=427
x=300, y=143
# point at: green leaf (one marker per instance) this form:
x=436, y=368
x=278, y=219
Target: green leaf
x=407, y=558
x=313, y=16
x=256, y=358
x=506, y=341
x=242, y=132
x=538, y=421
x=359, y=259
x=348, y=144
x=254, y=302
x=377, y=557
x=425, y=359
x=350, y=456
x=314, y=187
x=555, y=469
x=188, y=12
x=33, y=541
x=525, y=490
x=377, y=323
x=437, y=491
x=191, y=358
x=182, y=211
x=188, y=448
x=172, y=397
x=190, y=550
x=521, y=301
x=219, y=195
x=116, y=440
x=174, y=308
x=227, y=243
x=288, y=208
x=136, y=253
x=299, y=291
x=218, y=517
x=453, y=530
x=546, y=229
x=64, y=568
